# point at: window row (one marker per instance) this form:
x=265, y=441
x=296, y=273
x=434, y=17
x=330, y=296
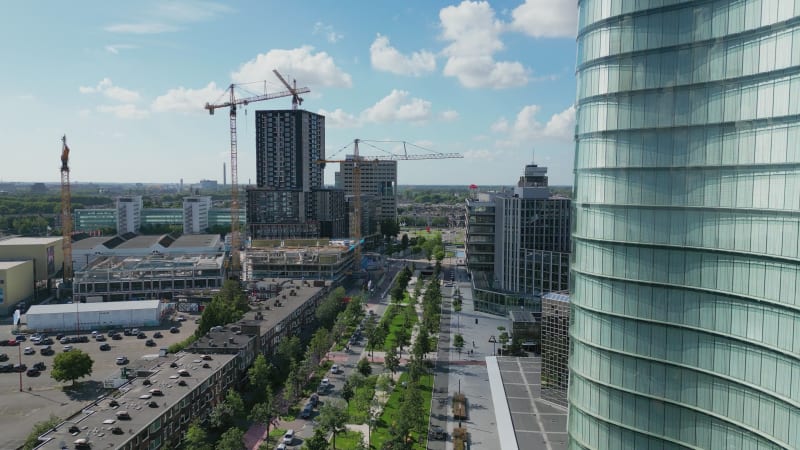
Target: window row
x=743, y=231
x=711, y=188
x=588, y=432
x=714, y=17
x=709, y=62
x=692, y=23
x=702, y=105
x=767, y=371
x=707, y=146
x=732, y=274
x=771, y=326
x=688, y=426
x=687, y=387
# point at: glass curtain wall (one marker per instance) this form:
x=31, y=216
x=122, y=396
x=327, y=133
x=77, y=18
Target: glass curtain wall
x=685, y=329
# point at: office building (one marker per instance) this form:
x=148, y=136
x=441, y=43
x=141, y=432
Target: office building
x=686, y=314
x=288, y=145
x=90, y=220
x=195, y=214
x=129, y=214
x=518, y=244
x=555, y=347
x=378, y=179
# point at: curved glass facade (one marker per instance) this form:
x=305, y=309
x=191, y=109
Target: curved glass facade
x=686, y=266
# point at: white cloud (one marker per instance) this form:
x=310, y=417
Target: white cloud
x=398, y=107
x=125, y=111
x=301, y=63
x=526, y=126
x=449, y=115
x=182, y=99
x=338, y=118
x=115, y=48
x=327, y=30
x=190, y=11
x=474, y=36
x=546, y=18
x=107, y=89
x=386, y=58
x=141, y=28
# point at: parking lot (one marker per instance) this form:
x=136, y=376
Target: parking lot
x=42, y=396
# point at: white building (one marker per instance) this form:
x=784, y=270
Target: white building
x=93, y=316
x=129, y=214
x=195, y=214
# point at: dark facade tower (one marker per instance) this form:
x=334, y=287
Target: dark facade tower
x=288, y=145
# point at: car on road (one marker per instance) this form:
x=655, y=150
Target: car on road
x=335, y=369
x=122, y=360
x=437, y=433
x=29, y=351
x=67, y=348
x=307, y=411
x=174, y=330
x=105, y=347
x=47, y=351
x=150, y=343
x=288, y=437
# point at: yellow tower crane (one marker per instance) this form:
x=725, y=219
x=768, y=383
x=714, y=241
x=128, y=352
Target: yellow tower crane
x=232, y=103
x=66, y=213
x=358, y=161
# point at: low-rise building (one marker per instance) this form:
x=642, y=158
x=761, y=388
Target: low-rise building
x=299, y=259
x=16, y=284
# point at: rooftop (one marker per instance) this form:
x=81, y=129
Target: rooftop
x=145, y=241
x=156, y=262
x=92, y=307
x=17, y=240
x=557, y=296
x=97, y=421
x=5, y=265
x=197, y=240
x=92, y=242
x=522, y=316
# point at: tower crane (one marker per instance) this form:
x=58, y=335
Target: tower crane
x=232, y=103
x=66, y=215
x=357, y=161
x=296, y=99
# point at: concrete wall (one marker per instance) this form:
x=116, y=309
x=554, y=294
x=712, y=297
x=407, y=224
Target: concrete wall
x=16, y=285
x=38, y=252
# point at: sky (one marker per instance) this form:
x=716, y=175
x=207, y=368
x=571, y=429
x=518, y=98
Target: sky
x=127, y=82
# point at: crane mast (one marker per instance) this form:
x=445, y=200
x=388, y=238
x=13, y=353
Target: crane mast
x=66, y=215
x=232, y=103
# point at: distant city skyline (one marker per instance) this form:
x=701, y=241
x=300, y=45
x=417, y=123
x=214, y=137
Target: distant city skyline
x=127, y=83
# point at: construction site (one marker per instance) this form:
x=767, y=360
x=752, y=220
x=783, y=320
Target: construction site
x=299, y=259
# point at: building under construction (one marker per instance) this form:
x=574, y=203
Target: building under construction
x=299, y=259
x=147, y=277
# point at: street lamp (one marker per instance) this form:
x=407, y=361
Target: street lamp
x=493, y=340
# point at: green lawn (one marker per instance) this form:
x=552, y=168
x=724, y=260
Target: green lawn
x=391, y=410
x=398, y=324
x=348, y=440
x=356, y=412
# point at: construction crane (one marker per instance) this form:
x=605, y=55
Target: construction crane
x=66, y=215
x=357, y=161
x=232, y=103
x=296, y=99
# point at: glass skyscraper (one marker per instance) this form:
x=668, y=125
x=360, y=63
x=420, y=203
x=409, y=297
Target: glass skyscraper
x=686, y=296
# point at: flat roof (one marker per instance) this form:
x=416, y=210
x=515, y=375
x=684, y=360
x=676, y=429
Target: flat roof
x=91, y=242
x=196, y=240
x=558, y=296
x=522, y=316
x=5, y=265
x=18, y=240
x=92, y=307
x=275, y=314
x=143, y=241
x=96, y=421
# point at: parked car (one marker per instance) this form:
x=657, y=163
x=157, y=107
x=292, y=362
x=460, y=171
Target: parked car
x=83, y=338
x=174, y=330
x=307, y=411
x=3, y=357
x=5, y=368
x=35, y=340
x=105, y=347
x=39, y=366
x=141, y=335
x=288, y=437
x=116, y=337
x=20, y=367
x=33, y=373
x=437, y=432
x=122, y=360
x=127, y=332
x=158, y=335
x=335, y=369
x=29, y=351
x=100, y=338
x=181, y=319
x=20, y=338
x=314, y=400
x=150, y=343
x=65, y=340
x=67, y=348
x=47, y=351
x=46, y=341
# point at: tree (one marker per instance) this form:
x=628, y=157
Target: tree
x=71, y=365
x=458, y=342
x=389, y=229
x=504, y=338
x=39, y=429
x=422, y=345
x=364, y=368
x=229, y=410
x=404, y=241
x=196, y=438
x=233, y=439
x=332, y=417
x=319, y=345
x=348, y=391
x=391, y=361
x=264, y=411
x=259, y=375
x=317, y=442
x=328, y=309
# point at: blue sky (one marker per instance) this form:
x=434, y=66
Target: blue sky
x=127, y=81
